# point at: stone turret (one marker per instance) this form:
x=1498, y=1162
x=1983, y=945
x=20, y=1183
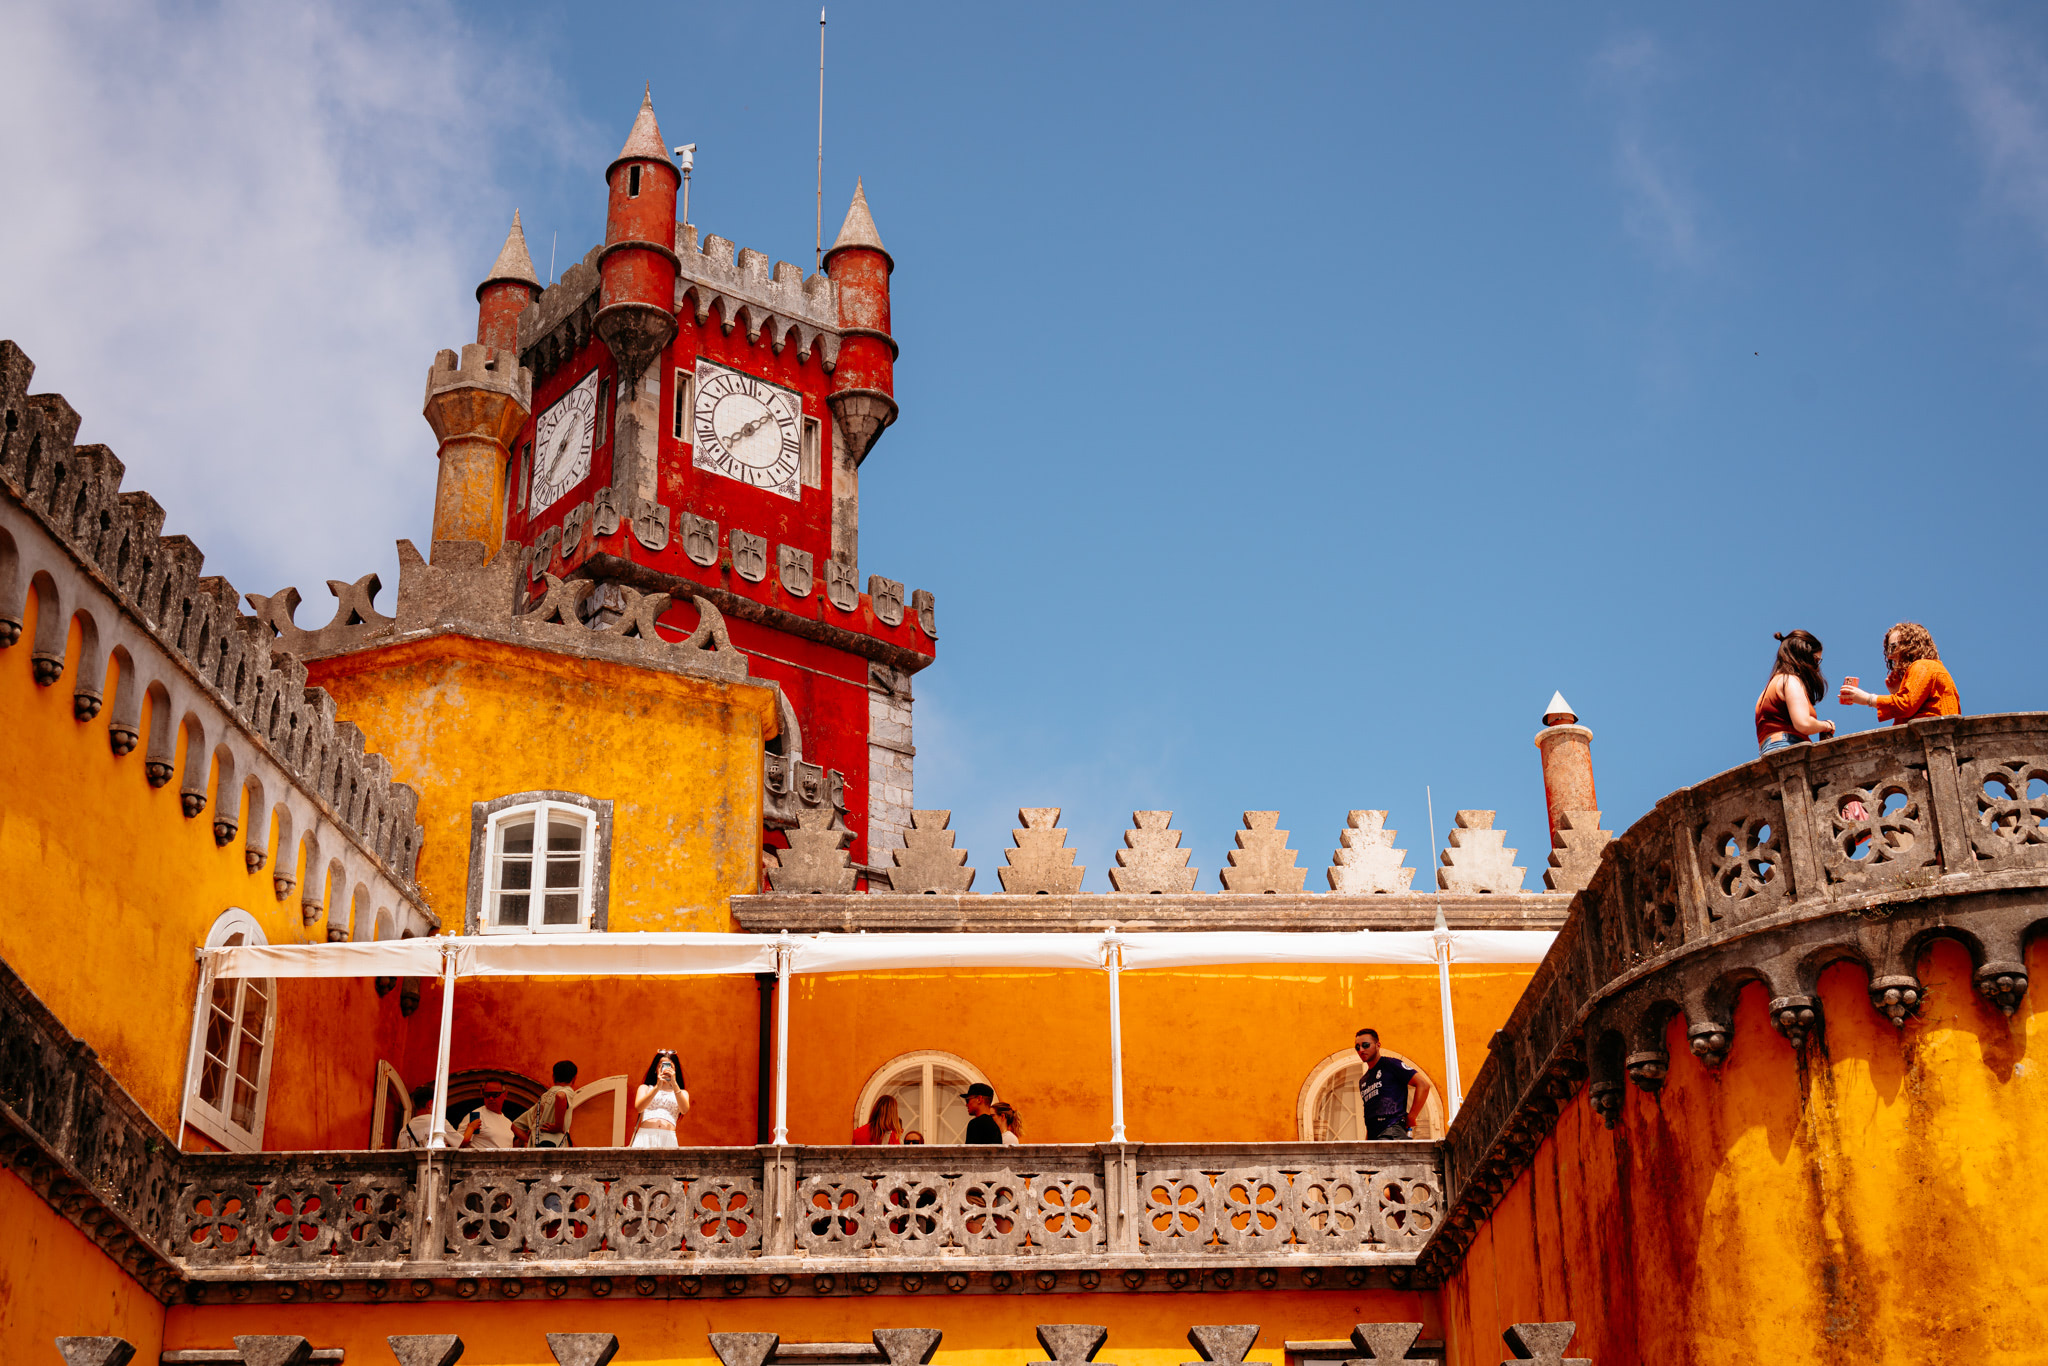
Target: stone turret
x=476, y=404
x=506, y=291
x=1567, y=749
x=864, y=380
x=637, y=296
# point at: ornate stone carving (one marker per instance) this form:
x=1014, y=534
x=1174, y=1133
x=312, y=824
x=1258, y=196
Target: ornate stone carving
x=1262, y=862
x=1896, y=998
x=700, y=539
x=1386, y=1342
x=1368, y=861
x=793, y=570
x=842, y=588
x=650, y=523
x=1543, y=1343
x=749, y=555
x=1573, y=864
x=1476, y=860
x=1648, y=1068
x=926, y=607
x=929, y=862
x=1223, y=1344
x=816, y=859
x=1071, y=1344
x=887, y=597
x=1796, y=1017
x=1040, y=864
x=1152, y=861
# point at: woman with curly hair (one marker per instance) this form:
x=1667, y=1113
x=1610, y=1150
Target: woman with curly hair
x=1784, y=709
x=1917, y=685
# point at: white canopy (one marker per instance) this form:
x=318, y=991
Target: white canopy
x=687, y=955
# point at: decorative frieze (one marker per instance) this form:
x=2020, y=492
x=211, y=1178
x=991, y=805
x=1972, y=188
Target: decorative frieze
x=1262, y=862
x=1152, y=861
x=1040, y=864
x=1476, y=860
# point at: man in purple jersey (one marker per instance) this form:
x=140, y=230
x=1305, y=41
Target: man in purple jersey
x=1383, y=1090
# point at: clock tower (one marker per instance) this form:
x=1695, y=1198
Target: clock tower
x=698, y=423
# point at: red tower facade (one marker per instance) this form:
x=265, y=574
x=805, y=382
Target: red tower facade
x=698, y=424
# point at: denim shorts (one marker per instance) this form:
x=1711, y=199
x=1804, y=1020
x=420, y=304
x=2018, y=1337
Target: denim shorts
x=1381, y=1130
x=1781, y=741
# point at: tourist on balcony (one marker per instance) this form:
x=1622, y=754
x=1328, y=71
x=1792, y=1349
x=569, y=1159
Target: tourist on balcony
x=981, y=1124
x=419, y=1130
x=1784, y=709
x=1917, y=685
x=546, y=1122
x=913, y=1138
x=885, y=1123
x=487, y=1126
x=661, y=1101
x=1383, y=1090
x=1012, y=1122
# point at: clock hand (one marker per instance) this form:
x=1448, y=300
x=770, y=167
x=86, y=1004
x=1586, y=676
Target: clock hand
x=561, y=450
x=752, y=427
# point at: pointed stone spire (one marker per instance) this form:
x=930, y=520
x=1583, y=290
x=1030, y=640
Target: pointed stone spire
x=513, y=262
x=859, y=228
x=645, y=139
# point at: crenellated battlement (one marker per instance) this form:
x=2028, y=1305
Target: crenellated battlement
x=94, y=556
x=480, y=367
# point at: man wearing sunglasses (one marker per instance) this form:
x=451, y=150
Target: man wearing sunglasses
x=1383, y=1090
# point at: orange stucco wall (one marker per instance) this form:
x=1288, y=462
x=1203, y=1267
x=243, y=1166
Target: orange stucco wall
x=1880, y=1208
x=980, y=1330
x=54, y=1281
x=465, y=721
x=109, y=886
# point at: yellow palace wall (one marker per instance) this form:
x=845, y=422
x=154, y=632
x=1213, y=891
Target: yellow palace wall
x=1855, y=1214
x=54, y=1281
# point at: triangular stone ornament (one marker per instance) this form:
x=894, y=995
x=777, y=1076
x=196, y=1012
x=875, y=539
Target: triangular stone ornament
x=1223, y=1343
x=1369, y=862
x=1544, y=1343
x=1477, y=859
x=583, y=1349
x=907, y=1346
x=273, y=1350
x=1262, y=862
x=96, y=1351
x=745, y=1349
x=1577, y=857
x=928, y=862
x=1153, y=863
x=1070, y=1344
x=426, y=1349
x=1041, y=864
x=1385, y=1341
x=816, y=860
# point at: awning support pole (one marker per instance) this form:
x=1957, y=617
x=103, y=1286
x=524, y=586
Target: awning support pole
x=192, y=1051
x=782, y=1041
x=438, y=1138
x=1453, y=1083
x=1113, y=961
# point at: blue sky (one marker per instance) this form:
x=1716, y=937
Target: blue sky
x=1292, y=398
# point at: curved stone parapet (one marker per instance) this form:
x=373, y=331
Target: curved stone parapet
x=1864, y=850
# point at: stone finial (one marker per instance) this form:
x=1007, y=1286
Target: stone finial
x=1041, y=864
x=1262, y=862
x=859, y=228
x=907, y=1346
x=273, y=1350
x=1476, y=861
x=645, y=138
x=1386, y=1342
x=426, y=1349
x=929, y=862
x=1544, y=1343
x=1574, y=862
x=1153, y=861
x=514, y=263
x=1369, y=862
x=583, y=1349
x=96, y=1351
x=1071, y=1344
x=745, y=1349
x=816, y=860
x=1223, y=1343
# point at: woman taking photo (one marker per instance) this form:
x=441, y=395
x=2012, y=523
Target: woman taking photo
x=661, y=1101
x=1784, y=709
x=1917, y=684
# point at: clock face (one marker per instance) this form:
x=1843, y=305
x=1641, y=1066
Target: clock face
x=562, y=442
x=747, y=429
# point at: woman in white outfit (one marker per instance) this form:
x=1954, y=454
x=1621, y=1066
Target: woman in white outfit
x=661, y=1102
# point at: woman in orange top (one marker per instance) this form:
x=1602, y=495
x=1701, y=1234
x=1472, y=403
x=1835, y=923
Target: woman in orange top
x=1918, y=682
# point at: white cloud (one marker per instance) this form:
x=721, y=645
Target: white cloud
x=2000, y=78
x=1660, y=209
x=235, y=236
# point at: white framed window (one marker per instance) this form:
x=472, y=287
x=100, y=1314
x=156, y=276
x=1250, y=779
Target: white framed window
x=230, y=1076
x=1329, y=1110
x=541, y=858
x=927, y=1086
x=808, y=457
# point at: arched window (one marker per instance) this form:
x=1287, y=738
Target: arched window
x=1328, y=1111
x=927, y=1087
x=539, y=864
x=231, y=1078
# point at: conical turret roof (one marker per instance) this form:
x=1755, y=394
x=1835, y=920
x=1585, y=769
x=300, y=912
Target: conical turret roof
x=645, y=139
x=1559, y=712
x=859, y=228
x=513, y=262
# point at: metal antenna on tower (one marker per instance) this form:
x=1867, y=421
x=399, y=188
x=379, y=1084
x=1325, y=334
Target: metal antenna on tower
x=819, y=262
x=553, y=242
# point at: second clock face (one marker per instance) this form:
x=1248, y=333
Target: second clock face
x=562, y=442
x=747, y=429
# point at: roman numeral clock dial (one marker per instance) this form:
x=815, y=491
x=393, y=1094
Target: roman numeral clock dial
x=747, y=429
x=562, y=442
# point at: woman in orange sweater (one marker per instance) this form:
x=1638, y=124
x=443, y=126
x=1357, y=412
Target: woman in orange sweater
x=1919, y=685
